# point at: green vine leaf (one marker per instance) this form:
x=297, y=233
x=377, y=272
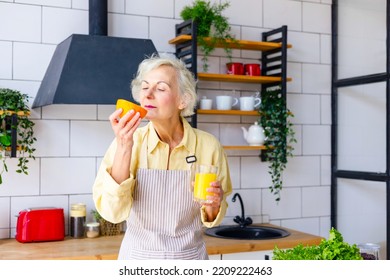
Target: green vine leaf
x=279, y=133
x=14, y=102
x=5, y=139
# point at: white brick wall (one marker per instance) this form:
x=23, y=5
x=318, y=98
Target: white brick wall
x=73, y=138
x=6, y=59
x=30, y=60
x=59, y=23
x=247, y=13
x=20, y=22
x=281, y=12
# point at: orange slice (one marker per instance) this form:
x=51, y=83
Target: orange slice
x=127, y=106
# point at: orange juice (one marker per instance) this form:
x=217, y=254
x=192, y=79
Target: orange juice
x=202, y=182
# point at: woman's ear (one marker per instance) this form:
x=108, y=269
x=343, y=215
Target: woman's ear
x=184, y=102
x=182, y=105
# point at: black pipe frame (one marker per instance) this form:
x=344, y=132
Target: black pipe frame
x=98, y=17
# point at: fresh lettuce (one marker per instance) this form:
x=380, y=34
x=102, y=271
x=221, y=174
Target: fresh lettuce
x=332, y=249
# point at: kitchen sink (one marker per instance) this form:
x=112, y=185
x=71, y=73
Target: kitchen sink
x=248, y=232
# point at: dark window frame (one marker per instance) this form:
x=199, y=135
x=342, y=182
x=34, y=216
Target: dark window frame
x=360, y=80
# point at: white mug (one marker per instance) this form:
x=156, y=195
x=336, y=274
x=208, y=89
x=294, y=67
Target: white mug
x=206, y=104
x=249, y=103
x=226, y=102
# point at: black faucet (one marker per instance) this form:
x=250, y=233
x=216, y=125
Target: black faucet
x=242, y=221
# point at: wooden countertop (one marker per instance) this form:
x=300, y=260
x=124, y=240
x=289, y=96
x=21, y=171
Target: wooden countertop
x=106, y=247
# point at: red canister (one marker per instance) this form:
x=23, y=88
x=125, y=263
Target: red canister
x=235, y=68
x=252, y=69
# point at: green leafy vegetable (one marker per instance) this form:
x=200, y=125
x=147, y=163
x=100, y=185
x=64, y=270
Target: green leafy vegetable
x=332, y=249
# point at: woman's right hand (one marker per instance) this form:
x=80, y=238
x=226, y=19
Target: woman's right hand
x=124, y=127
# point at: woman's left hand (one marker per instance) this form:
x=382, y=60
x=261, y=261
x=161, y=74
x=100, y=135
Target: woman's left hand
x=215, y=199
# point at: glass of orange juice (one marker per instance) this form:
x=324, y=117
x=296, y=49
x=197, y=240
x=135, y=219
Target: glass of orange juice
x=204, y=175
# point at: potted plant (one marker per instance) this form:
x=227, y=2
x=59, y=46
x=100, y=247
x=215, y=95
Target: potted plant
x=106, y=228
x=14, y=113
x=211, y=24
x=279, y=135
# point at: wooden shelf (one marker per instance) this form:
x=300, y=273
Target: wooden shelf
x=239, y=78
x=240, y=44
x=8, y=148
x=270, y=56
x=228, y=112
x=19, y=113
x=245, y=148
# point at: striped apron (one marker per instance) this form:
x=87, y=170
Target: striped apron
x=164, y=221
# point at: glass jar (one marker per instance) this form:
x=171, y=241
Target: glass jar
x=92, y=230
x=78, y=215
x=369, y=251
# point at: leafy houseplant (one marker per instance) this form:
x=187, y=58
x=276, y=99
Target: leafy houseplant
x=13, y=102
x=211, y=24
x=275, y=120
x=107, y=228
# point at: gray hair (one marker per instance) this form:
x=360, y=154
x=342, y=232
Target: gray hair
x=186, y=81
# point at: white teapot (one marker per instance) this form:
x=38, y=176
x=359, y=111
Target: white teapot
x=254, y=135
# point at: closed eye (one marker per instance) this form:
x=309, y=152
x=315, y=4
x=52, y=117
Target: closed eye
x=144, y=85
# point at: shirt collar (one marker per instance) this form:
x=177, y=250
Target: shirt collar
x=188, y=141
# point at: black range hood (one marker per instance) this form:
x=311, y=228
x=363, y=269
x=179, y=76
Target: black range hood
x=94, y=68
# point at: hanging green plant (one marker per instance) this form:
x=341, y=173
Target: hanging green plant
x=13, y=102
x=279, y=133
x=213, y=28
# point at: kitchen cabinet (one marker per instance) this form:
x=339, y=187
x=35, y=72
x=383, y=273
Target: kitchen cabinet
x=273, y=48
x=258, y=255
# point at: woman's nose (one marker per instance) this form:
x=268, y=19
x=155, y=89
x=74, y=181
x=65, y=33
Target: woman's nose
x=149, y=92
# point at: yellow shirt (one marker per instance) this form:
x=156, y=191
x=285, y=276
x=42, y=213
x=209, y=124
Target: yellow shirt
x=113, y=201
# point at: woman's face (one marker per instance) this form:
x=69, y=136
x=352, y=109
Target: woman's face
x=160, y=94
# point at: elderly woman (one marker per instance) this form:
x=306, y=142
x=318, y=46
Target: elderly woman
x=144, y=177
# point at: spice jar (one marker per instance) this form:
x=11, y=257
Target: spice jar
x=78, y=215
x=369, y=251
x=92, y=230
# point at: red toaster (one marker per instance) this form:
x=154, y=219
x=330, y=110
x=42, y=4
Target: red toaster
x=40, y=224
